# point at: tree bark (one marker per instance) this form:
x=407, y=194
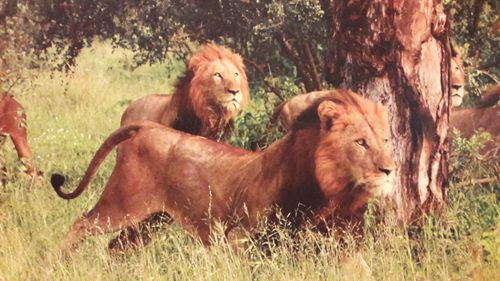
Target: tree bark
x=398, y=52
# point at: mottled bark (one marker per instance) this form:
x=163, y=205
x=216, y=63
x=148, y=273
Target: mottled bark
x=398, y=52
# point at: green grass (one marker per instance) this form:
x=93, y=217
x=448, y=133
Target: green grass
x=68, y=118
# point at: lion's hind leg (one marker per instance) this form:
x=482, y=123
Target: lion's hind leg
x=140, y=235
x=103, y=218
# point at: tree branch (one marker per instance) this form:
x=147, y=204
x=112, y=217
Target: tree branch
x=486, y=66
x=259, y=69
x=472, y=182
x=301, y=69
x=316, y=79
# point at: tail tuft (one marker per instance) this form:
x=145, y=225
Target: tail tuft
x=57, y=180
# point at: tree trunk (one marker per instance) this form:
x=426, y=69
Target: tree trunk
x=398, y=52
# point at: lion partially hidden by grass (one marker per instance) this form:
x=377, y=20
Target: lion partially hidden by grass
x=207, y=98
x=335, y=158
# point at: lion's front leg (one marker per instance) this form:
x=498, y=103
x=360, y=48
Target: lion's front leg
x=24, y=152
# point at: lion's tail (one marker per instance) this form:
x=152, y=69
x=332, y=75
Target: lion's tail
x=118, y=136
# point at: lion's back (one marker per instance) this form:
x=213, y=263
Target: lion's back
x=166, y=142
x=149, y=108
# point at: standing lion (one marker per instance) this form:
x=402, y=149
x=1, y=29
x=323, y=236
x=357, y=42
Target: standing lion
x=207, y=97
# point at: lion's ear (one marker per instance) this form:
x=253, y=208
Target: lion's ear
x=328, y=111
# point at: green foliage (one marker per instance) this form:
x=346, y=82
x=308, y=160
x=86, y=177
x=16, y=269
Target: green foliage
x=157, y=31
x=490, y=241
x=278, y=38
x=254, y=128
x=469, y=161
x=480, y=212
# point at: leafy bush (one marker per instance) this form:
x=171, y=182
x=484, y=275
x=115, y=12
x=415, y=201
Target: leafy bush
x=475, y=192
x=254, y=128
x=470, y=162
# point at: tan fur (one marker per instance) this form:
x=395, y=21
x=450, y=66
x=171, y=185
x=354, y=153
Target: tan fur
x=289, y=110
x=491, y=96
x=210, y=94
x=13, y=124
x=486, y=118
x=457, y=80
x=334, y=160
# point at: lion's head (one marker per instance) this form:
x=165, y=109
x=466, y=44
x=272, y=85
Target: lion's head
x=354, y=147
x=208, y=96
x=218, y=83
x=457, y=80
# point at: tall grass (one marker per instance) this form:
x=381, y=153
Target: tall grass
x=68, y=118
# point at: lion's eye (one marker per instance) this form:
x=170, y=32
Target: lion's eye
x=236, y=74
x=362, y=142
x=218, y=75
x=386, y=143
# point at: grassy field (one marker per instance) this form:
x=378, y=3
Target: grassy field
x=70, y=115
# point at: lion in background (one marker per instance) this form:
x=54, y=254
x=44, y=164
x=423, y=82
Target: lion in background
x=485, y=117
x=207, y=97
x=335, y=158
x=457, y=79
x=13, y=124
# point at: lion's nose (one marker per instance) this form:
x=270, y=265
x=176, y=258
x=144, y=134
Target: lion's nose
x=385, y=171
x=234, y=92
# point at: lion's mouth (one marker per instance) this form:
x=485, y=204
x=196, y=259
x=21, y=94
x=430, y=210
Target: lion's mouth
x=456, y=99
x=379, y=186
x=232, y=105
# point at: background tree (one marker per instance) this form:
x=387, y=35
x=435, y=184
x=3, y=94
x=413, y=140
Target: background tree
x=399, y=53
